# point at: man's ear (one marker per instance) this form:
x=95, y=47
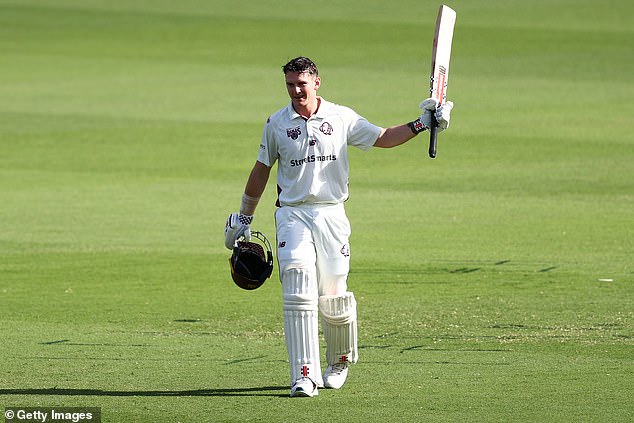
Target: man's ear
x=317, y=83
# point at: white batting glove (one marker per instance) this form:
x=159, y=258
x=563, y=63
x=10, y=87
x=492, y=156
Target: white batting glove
x=424, y=121
x=443, y=114
x=427, y=106
x=237, y=226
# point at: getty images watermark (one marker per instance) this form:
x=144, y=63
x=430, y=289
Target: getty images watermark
x=52, y=414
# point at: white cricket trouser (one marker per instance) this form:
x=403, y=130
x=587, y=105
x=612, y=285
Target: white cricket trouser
x=315, y=238
x=313, y=255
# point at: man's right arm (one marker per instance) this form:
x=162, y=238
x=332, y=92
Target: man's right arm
x=255, y=188
x=238, y=224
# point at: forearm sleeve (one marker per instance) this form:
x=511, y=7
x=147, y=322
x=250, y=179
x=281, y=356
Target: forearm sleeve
x=248, y=205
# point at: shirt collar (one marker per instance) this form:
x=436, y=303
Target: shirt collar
x=320, y=114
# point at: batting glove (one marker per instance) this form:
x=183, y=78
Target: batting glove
x=237, y=226
x=443, y=114
x=424, y=122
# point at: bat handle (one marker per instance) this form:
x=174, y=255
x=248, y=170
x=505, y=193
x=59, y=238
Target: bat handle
x=433, y=132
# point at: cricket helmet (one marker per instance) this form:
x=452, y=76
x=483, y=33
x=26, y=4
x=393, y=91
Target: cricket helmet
x=250, y=265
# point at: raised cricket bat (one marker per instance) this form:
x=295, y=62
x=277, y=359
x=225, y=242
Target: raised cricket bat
x=441, y=53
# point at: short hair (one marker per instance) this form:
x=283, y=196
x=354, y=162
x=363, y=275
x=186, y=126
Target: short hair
x=301, y=64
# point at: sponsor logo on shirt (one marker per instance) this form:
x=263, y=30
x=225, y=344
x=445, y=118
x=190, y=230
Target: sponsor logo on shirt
x=293, y=133
x=312, y=159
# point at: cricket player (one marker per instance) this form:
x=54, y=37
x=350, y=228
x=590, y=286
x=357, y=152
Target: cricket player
x=309, y=139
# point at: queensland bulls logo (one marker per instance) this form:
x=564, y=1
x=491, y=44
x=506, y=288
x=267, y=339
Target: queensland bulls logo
x=293, y=133
x=326, y=128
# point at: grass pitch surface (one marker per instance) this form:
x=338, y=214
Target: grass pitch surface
x=494, y=283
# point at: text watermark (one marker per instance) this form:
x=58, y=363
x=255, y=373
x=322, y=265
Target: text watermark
x=52, y=414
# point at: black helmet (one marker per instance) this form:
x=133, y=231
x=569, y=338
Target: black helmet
x=250, y=267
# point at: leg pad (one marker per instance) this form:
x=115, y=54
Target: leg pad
x=301, y=324
x=339, y=313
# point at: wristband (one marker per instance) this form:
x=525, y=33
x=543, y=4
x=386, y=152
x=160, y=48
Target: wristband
x=417, y=126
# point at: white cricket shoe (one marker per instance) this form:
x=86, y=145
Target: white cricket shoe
x=304, y=387
x=335, y=375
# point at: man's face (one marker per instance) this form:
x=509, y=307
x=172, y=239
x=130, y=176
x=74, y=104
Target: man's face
x=302, y=88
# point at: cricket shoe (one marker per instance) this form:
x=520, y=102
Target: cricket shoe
x=304, y=387
x=335, y=375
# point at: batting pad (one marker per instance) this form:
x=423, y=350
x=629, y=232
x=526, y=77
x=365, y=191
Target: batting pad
x=301, y=328
x=339, y=314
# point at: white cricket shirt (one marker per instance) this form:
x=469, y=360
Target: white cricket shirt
x=312, y=154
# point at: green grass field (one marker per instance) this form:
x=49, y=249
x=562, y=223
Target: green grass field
x=495, y=283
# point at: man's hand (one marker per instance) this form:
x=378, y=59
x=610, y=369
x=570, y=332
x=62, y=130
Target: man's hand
x=237, y=225
x=427, y=107
x=443, y=115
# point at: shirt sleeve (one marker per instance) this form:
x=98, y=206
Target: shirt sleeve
x=361, y=133
x=268, y=146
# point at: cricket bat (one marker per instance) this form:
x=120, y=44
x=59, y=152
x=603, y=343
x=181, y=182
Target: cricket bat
x=441, y=53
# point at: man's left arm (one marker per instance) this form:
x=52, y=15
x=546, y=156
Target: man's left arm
x=400, y=134
x=394, y=136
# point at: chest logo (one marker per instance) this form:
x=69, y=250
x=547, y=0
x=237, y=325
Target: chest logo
x=293, y=133
x=326, y=128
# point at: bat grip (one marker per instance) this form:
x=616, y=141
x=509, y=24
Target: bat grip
x=433, y=132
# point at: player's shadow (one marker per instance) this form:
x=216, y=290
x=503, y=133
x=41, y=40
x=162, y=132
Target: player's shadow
x=264, y=391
